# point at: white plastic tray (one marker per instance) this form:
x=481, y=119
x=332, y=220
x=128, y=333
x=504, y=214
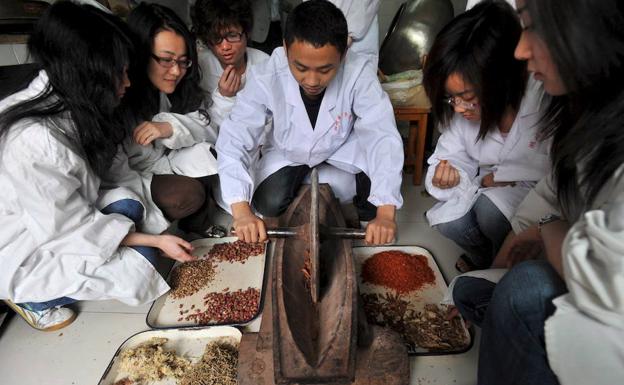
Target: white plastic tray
x=188, y=343
x=165, y=311
x=428, y=294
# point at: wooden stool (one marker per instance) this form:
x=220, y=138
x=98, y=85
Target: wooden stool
x=415, y=149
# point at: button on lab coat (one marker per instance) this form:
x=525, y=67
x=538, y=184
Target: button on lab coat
x=355, y=130
x=54, y=241
x=520, y=158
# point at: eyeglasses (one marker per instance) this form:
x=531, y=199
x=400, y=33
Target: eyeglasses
x=456, y=101
x=169, y=62
x=230, y=37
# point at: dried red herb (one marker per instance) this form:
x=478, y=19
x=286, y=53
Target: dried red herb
x=397, y=270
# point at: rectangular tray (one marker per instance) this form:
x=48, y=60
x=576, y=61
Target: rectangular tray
x=417, y=299
x=188, y=343
x=165, y=311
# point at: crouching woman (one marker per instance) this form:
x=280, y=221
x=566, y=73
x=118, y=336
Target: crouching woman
x=56, y=140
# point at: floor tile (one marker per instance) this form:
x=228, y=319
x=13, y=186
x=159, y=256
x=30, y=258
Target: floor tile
x=76, y=355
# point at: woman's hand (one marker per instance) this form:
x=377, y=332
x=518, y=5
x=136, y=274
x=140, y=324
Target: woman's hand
x=453, y=312
x=382, y=229
x=488, y=181
x=248, y=227
x=230, y=82
x=175, y=247
x=519, y=247
x=146, y=132
x=445, y=176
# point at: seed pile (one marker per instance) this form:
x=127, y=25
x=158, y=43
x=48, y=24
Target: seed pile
x=218, y=366
x=188, y=278
x=226, y=307
x=238, y=251
x=428, y=329
x=151, y=362
x=397, y=270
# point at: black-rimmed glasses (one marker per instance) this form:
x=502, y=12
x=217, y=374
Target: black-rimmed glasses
x=169, y=62
x=230, y=37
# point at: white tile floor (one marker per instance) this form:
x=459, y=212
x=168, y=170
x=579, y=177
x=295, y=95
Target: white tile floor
x=79, y=354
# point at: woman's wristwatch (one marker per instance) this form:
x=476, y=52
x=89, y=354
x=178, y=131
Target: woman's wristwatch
x=546, y=219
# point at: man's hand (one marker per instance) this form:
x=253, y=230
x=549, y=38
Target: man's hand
x=382, y=229
x=248, y=227
x=445, y=176
x=230, y=82
x=175, y=248
x=488, y=181
x=147, y=132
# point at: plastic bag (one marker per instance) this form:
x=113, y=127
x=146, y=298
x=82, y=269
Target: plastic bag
x=405, y=89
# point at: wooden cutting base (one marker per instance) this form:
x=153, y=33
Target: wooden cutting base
x=384, y=362
x=381, y=360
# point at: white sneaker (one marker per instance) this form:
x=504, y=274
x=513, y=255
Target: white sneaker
x=47, y=320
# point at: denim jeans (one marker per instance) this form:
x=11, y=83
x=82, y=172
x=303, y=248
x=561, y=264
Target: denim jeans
x=480, y=232
x=512, y=349
x=133, y=210
x=277, y=192
x=127, y=207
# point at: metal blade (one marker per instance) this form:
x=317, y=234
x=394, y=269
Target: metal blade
x=314, y=237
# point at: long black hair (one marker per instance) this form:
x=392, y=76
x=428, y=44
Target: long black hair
x=84, y=53
x=142, y=101
x=478, y=45
x=586, y=41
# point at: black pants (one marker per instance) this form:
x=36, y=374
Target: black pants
x=276, y=192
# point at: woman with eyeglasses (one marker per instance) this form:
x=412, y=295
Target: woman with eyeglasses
x=170, y=131
x=58, y=139
x=223, y=27
x=488, y=110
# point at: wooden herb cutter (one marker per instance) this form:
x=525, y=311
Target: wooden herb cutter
x=312, y=330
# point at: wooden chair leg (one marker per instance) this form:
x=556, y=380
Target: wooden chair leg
x=410, y=149
x=420, y=150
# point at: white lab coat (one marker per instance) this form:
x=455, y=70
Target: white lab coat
x=520, y=158
x=355, y=130
x=363, y=25
x=186, y=152
x=54, y=241
x=585, y=336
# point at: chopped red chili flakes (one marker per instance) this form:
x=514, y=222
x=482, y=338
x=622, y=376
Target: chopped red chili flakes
x=397, y=270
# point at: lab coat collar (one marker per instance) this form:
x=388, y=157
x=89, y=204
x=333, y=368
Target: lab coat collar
x=530, y=105
x=533, y=98
x=293, y=97
x=326, y=118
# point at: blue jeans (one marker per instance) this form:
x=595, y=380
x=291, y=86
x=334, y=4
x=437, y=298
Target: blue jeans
x=127, y=207
x=512, y=349
x=133, y=210
x=480, y=232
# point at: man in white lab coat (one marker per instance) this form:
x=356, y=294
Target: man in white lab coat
x=327, y=107
x=224, y=57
